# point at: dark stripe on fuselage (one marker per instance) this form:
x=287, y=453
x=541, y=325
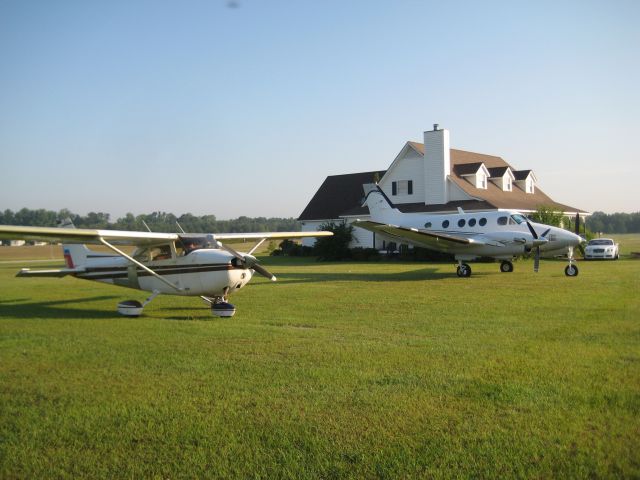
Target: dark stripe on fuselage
x=105, y=273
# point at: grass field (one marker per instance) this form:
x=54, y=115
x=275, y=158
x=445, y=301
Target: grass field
x=341, y=370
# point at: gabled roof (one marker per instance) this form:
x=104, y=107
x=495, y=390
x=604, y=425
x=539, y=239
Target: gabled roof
x=337, y=194
x=521, y=174
x=498, y=172
x=467, y=168
x=342, y=194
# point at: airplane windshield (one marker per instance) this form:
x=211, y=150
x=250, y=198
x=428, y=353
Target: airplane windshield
x=189, y=244
x=517, y=218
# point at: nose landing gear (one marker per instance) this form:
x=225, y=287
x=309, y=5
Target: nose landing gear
x=463, y=270
x=571, y=270
x=506, y=266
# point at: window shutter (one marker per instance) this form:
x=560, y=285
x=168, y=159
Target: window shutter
x=410, y=189
x=394, y=188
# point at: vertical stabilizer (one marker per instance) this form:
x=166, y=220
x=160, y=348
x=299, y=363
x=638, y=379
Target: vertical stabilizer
x=382, y=210
x=75, y=255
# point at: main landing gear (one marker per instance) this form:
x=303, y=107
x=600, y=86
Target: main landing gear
x=463, y=270
x=506, y=266
x=133, y=308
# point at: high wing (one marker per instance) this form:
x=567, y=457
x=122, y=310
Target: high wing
x=443, y=242
x=118, y=237
x=85, y=236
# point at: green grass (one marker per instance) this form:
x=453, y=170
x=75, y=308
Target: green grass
x=341, y=370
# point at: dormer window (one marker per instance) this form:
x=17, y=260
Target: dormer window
x=526, y=180
x=508, y=185
x=502, y=177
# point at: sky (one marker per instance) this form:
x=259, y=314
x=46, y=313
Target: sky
x=205, y=108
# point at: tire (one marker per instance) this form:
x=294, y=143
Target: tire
x=571, y=270
x=506, y=266
x=464, y=271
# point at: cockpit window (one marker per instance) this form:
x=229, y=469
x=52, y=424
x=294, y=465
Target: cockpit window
x=188, y=244
x=502, y=220
x=517, y=218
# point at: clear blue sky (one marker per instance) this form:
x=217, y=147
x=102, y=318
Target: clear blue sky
x=136, y=106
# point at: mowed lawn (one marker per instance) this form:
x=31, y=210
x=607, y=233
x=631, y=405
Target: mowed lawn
x=340, y=370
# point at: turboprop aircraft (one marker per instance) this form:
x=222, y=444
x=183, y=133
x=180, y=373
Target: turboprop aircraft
x=168, y=263
x=502, y=234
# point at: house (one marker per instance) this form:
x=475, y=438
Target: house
x=429, y=177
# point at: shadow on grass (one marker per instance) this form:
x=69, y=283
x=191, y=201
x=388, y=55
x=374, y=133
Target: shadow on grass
x=409, y=276
x=26, y=308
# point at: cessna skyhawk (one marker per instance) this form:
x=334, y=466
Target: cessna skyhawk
x=503, y=235
x=170, y=263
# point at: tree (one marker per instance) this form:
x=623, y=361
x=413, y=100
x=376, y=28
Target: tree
x=337, y=246
x=547, y=215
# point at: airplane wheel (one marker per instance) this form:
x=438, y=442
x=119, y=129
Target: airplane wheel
x=506, y=266
x=571, y=271
x=463, y=270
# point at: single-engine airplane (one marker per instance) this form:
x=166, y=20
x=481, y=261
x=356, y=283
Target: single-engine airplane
x=503, y=235
x=169, y=263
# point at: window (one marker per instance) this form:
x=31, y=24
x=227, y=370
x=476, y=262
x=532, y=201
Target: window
x=427, y=225
x=508, y=187
x=517, y=218
x=472, y=222
x=461, y=222
x=502, y=220
x=483, y=181
x=402, y=187
x=445, y=224
x=482, y=222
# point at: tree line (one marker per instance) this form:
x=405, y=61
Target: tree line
x=157, y=221
x=614, y=222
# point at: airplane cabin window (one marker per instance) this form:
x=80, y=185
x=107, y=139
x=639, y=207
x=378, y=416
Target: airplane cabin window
x=502, y=220
x=445, y=224
x=427, y=225
x=482, y=222
x=461, y=222
x=472, y=222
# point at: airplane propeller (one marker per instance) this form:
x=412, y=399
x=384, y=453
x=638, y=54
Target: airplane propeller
x=249, y=261
x=537, y=241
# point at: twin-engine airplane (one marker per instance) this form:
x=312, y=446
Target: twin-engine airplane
x=170, y=263
x=503, y=235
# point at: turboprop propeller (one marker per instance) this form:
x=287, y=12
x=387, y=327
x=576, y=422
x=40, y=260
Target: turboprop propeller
x=537, y=241
x=248, y=261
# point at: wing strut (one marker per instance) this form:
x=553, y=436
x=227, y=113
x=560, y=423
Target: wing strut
x=136, y=262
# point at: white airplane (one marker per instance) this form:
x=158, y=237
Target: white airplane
x=168, y=263
x=503, y=235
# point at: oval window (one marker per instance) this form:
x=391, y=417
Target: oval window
x=445, y=224
x=472, y=222
x=427, y=225
x=482, y=222
x=461, y=222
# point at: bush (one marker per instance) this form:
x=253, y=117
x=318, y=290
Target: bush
x=337, y=246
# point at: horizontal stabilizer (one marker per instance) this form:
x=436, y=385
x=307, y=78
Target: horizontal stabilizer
x=60, y=272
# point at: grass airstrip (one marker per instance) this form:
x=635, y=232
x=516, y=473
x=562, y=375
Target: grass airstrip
x=339, y=370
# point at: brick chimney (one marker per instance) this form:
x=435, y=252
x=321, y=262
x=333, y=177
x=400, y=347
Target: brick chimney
x=437, y=165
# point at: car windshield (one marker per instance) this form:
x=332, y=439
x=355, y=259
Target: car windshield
x=601, y=241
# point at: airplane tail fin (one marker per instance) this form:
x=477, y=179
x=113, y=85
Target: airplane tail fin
x=75, y=255
x=380, y=207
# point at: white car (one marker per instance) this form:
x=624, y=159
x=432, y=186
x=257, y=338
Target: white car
x=603, y=248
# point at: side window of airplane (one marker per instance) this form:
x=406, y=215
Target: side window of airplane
x=482, y=222
x=472, y=222
x=427, y=225
x=142, y=255
x=445, y=224
x=502, y=220
x=461, y=222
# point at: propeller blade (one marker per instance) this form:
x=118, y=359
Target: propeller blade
x=249, y=261
x=263, y=271
x=533, y=232
x=546, y=232
x=536, y=260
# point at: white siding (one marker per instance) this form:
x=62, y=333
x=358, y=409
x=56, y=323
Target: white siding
x=311, y=226
x=409, y=167
x=456, y=193
x=361, y=238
